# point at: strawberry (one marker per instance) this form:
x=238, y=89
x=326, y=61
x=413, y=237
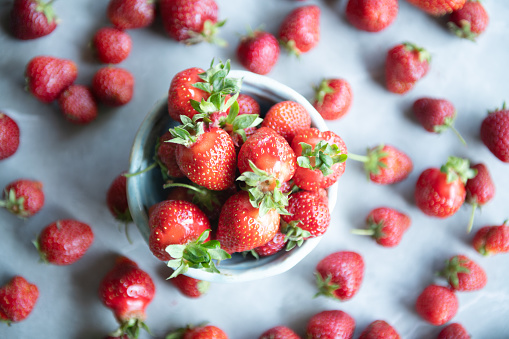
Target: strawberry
x=386, y=225
x=127, y=14
x=279, y=332
x=330, y=324
x=491, y=240
x=438, y=7
x=379, y=329
x=23, y=197
x=321, y=158
x=333, y=98
x=9, y=136
x=64, y=242
x=17, y=299
x=300, y=30
x=495, y=133
x=287, y=118
x=463, y=274
x=127, y=290
x=371, y=15
x=272, y=247
x=385, y=164
x=258, y=51
x=248, y=104
x=190, y=287
x=113, y=86
x=469, y=21
x=441, y=192
x=47, y=77
x=111, y=45
x=406, y=63
x=32, y=19
x=116, y=199
x=339, y=275
x=78, y=104
x=480, y=189
x=198, y=332
x=453, y=331
x=191, y=21
x=165, y=157
x=436, y=115
x=437, y=304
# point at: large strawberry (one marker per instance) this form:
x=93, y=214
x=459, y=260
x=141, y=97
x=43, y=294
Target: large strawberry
x=495, y=133
x=406, y=63
x=279, y=332
x=438, y=7
x=371, y=15
x=333, y=98
x=126, y=14
x=469, y=21
x=379, y=329
x=287, y=118
x=17, y=299
x=480, y=190
x=23, y=197
x=330, y=324
x=437, y=304
x=300, y=30
x=490, y=240
x=32, y=19
x=463, y=274
x=9, y=136
x=258, y=51
x=386, y=225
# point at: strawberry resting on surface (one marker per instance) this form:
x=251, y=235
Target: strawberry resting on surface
x=406, y=64
x=128, y=14
x=9, y=136
x=17, y=299
x=23, y=197
x=300, y=30
x=32, y=19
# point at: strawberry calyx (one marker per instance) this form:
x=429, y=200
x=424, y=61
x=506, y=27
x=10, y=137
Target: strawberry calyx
x=374, y=229
x=322, y=157
x=372, y=160
x=216, y=80
x=208, y=34
x=47, y=9
x=449, y=124
x=291, y=47
x=180, y=332
x=237, y=124
x=294, y=235
x=252, y=252
x=451, y=270
x=322, y=90
x=498, y=109
x=196, y=254
x=424, y=55
x=201, y=195
x=187, y=133
x=463, y=31
x=42, y=256
x=13, y=204
x=458, y=169
x=131, y=328
x=325, y=286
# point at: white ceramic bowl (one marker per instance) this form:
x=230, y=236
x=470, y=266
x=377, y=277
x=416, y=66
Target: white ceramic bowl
x=146, y=189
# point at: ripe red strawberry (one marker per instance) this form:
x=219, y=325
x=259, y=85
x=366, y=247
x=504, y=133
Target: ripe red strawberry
x=166, y=157
x=17, y=299
x=9, y=136
x=339, y=275
x=379, y=329
x=127, y=290
x=111, y=45
x=436, y=115
x=438, y=7
x=371, y=15
x=23, y=197
x=495, y=133
x=113, y=86
x=437, y=304
x=453, y=331
x=272, y=247
x=198, y=332
x=386, y=225
x=441, y=192
x=32, y=19
x=190, y=287
x=47, y=77
x=127, y=14
x=333, y=98
x=279, y=332
x=258, y=51
x=463, y=274
x=116, y=199
x=469, y=21
x=405, y=65
x=480, y=189
x=330, y=324
x=300, y=30
x=182, y=90
x=491, y=240
x=248, y=104
x=64, y=242
x=78, y=104
x=287, y=118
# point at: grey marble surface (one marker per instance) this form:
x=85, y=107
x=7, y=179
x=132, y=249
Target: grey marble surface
x=77, y=164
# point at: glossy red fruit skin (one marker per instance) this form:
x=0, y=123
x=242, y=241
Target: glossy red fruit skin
x=9, y=136
x=64, y=242
x=302, y=25
x=78, y=105
x=438, y=7
x=279, y=332
x=480, y=189
x=116, y=199
x=27, y=22
x=127, y=14
x=394, y=225
x=398, y=166
x=490, y=240
x=474, y=280
x=258, y=52
x=205, y=332
x=437, y=304
x=453, y=331
x=403, y=68
x=273, y=246
x=431, y=112
x=17, y=299
x=182, y=90
x=182, y=16
x=47, y=77
x=113, y=86
x=332, y=324
x=166, y=154
x=32, y=193
x=310, y=208
x=495, y=134
x=371, y=15
x=190, y=287
x=287, y=118
x=112, y=45
x=337, y=104
x=379, y=329
x=473, y=14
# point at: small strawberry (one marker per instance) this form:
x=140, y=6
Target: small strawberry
x=491, y=240
x=453, y=331
x=32, y=19
x=436, y=115
x=198, y=332
x=379, y=329
x=166, y=157
x=469, y=21
x=300, y=30
x=9, y=136
x=78, y=104
x=438, y=7
x=287, y=118
x=480, y=190
x=190, y=287
x=330, y=324
x=258, y=51
x=64, y=242
x=47, y=77
x=111, y=45
x=116, y=199
x=279, y=332
x=17, y=300
x=127, y=290
x=495, y=133
x=272, y=247
x=441, y=192
x=463, y=274
x=386, y=225
x=371, y=15
x=127, y=14
x=437, y=304
x=339, y=275
x=333, y=98
x=406, y=64
x=23, y=197
x=248, y=104
x=113, y=86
